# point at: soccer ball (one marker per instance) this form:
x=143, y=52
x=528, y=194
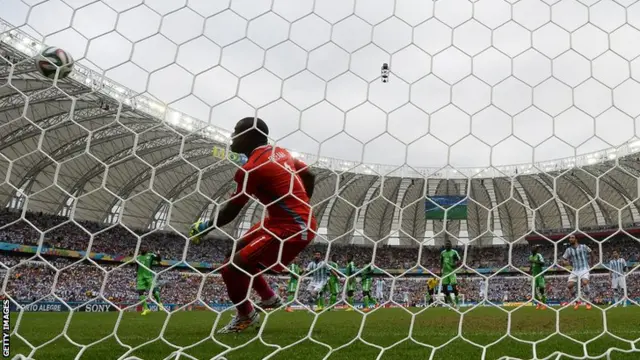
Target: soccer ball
x=51, y=59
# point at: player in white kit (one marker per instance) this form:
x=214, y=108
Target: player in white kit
x=319, y=272
x=406, y=298
x=379, y=290
x=579, y=256
x=617, y=265
x=481, y=285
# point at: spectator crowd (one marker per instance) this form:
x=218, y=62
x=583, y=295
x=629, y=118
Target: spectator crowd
x=58, y=232
x=73, y=280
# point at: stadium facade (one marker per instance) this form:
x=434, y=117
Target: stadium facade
x=93, y=150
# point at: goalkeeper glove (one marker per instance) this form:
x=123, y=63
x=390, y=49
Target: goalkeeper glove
x=197, y=230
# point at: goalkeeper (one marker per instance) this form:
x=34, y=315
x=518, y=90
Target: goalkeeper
x=283, y=185
x=144, y=280
x=430, y=294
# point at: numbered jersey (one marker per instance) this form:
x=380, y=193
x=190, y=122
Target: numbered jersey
x=270, y=175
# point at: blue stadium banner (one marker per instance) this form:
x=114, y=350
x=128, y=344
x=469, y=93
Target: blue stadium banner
x=455, y=207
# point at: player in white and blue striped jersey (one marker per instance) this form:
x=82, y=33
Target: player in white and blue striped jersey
x=319, y=272
x=379, y=290
x=617, y=265
x=481, y=287
x=579, y=256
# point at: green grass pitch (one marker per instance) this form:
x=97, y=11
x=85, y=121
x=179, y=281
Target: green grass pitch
x=388, y=329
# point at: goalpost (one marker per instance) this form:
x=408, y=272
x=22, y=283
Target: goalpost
x=411, y=113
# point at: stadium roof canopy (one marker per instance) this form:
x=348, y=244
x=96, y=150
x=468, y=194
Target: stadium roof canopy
x=90, y=146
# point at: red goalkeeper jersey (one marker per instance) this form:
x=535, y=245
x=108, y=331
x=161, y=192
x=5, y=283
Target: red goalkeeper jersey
x=271, y=176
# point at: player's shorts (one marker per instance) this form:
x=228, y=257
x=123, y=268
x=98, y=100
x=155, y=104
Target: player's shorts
x=379, y=294
x=316, y=287
x=263, y=244
x=144, y=283
x=538, y=282
x=366, y=284
x=292, y=286
x=333, y=286
x=579, y=275
x=618, y=283
x=450, y=279
x=430, y=291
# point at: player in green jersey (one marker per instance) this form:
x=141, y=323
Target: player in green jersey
x=295, y=271
x=448, y=263
x=334, y=280
x=351, y=281
x=144, y=280
x=536, y=262
x=366, y=281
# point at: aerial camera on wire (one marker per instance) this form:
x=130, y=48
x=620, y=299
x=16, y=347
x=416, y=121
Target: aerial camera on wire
x=384, y=73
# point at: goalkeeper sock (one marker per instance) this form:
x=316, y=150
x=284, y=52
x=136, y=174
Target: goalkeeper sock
x=366, y=301
x=350, y=300
x=290, y=297
x=237, y=287
x=143, y=298
x=261, y=286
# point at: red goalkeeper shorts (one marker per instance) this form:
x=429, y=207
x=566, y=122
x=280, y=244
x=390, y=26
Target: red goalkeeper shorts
x=273, y=243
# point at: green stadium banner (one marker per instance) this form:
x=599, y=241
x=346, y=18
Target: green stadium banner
x=454, y=206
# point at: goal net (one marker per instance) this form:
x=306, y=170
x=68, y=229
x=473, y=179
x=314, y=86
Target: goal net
x=476, y=171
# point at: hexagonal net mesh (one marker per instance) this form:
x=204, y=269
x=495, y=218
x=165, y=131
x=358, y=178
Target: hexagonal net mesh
x=439, y=179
